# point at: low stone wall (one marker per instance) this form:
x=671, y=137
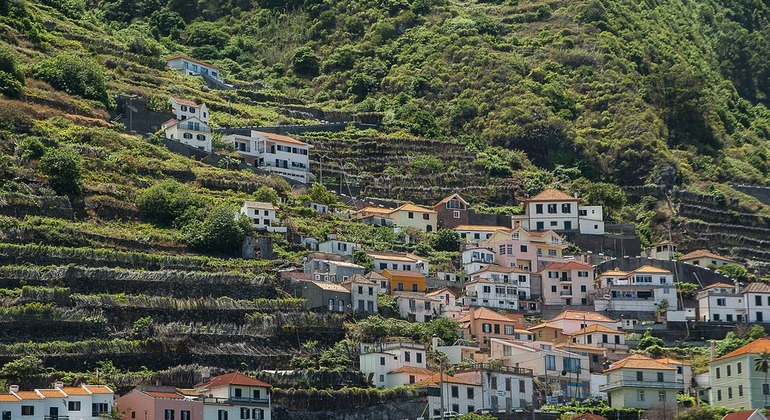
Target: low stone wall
x=393, y=411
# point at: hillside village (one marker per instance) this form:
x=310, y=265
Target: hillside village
x=166, y=254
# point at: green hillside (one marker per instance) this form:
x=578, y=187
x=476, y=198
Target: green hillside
x=101, y=230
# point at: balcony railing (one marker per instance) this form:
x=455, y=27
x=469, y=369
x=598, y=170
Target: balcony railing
x=641, y=384
x=236, y=401
x=565, y=279
x=56, y=418
x=569, y=293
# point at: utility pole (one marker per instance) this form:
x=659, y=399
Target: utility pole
x=441, y=385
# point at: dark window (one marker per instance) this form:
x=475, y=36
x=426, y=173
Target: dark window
x=256, y=394
x=382, y=361
x=73, y=405
x=539, y=208
x=238, y=392
x=245, y=413
x=470, y=393
x=27, y=410
x=222, y=415
x=522, y=386
x=758, y=300
x=660, y=377
x=184, y=415
x=99, y=408
x=407, y=356
x=639, y=376
x=552, y=208
x=455, y=392
x=419, y=357
x=168, y=414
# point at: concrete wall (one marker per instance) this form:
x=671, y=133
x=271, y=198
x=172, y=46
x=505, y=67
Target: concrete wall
x=142, y=121
x=760, y=193
x=393, y=411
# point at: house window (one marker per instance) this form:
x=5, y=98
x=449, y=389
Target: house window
x=27, y=410
x=258, y=414
x=245, y=413
x=552, y=209
x=550, y=362
x=719, y=373
x=729, y=370
x=551, y=252
x=470, y=393
x=456, y=214
x=188, y=136
x=183, y=108
x=583, y=288
x=407, y=356
x=523, y=248
x=740, y=390
x=758, y=300
x=639, y=376
x=739, y=367
x=382, y=361
x=660, y=377
x=494, y=382
x=553, y=289
x=455, y=391
x=716, y=317
x=661, y=396
x=97, y=409
x=200, y=137
x=73, y=406
x=487, y=328
x=721, y=302
x=255, y=394
x=238, y=392
x=426, y=216
x=566, y=208
x=382, y=378
x=411, y=215
x=730, y=392
x=168, y=414
x=539, y=208
x=509, y=330
x=419, y=357
x=719, y=395
x=765, y=389
x=640, y=396
x=221, y=414
x=507, y=351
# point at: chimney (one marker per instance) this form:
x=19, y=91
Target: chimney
x=58, y=384
x=737, y=287
x=713, y=350
x=13, y=388
x=434, y=342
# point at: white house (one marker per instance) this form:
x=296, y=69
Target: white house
x=447, y=301
x=235, y=396
x=339, y=247
x=398, y=261
x=184, y=109
x=363, y=294
x=477, y=233
x=263, y=215
x=598, y=335
x=664, y=250
x=276, y=153
x=646, y=289
x=382, y=361
x=704, y=258
x=721, y=302
x=191, y=67
x=486, y=293
x=86, y=402
x=476, y=258
x=757, y=298
x=555, y=210
x=567, y=283
x=572, y=321
x=192, y=132
x=507, y=275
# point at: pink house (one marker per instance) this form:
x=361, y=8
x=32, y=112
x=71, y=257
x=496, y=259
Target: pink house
x=159, y=403
x=525, y=250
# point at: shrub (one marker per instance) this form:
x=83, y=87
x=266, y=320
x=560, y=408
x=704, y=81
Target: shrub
x=219, y=232
x=11, y=74
x=30, y=148
x=63, y=169
x=74, y=75
x=305, y=62
x=163, y=203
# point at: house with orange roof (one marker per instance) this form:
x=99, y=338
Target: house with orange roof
x=683, y=372
x=189, y=66
x=185, y=108
x=735, y=383
x=87, y=402
x=566, y=373
x=405, y=280
x=572, y=321
x=567, y=283
x=588, y=416
x=447, y=299
x=520, y=279
x=481, y=324
x=705, y=258
x=599, y=335
x=235, y=396
x=526, y=250
x=394, y=362
x=475, y=233
x=559, y=211
x=721, y=302
x=276, y=153
x=641, y=382
x=405, y=215
x=645, y=289
x=746, y=415
x=159, y=403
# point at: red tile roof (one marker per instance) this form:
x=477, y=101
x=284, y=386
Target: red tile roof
x=184, y=101
x=278, y=137
x=638, y=361
x=487, y=314
x=453, y=196
x=741, y=415
x=403, y=273
x=711, y=286
x=589, y=416
x=75, y=390
x=233, y=378
x=52, y=393
x=580, y=316
x=8, y=398
x=434, y=380
x=757, y=346
x=414, y=369
x=757, y=287
x=166, y=395
x=99, y=389
x=703, y=253
x=29, y=395
x=569, y=265
x=552, y=194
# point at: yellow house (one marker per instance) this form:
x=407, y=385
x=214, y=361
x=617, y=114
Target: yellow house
x=407, y=215
x=549, y=332
x=409, y=281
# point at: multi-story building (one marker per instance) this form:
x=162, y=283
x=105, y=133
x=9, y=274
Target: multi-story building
x=86, y=402
x=406, y=215
x=446, y=298
x=559, y=211
x=497, y=389
x=565, y=373
x=276, y=153
x=474, y=234
x=416, y=306
x=641, y=382
x=683, y=372
x=339, y=247
x=333, y=271
x=598, y=335
x=646, y=289
x=264, y=216
x=482, y=324
x=184, y=109
x=507, y=275
x=567, y=283
x=451, y=212
x=704, y=258
x=735, y=382
x=159, y=403
x=397, y=261
x=757, y=298
x=525, y=250
x=363, y=294
x=387, y=362
x=324, y=296
x=721, y=302
x=475, y=258
x=191, y=67
x=235, y=396
x=401, y=281
x=664, y=250
x=487, y=293
x=572, y=321
x=192, y=132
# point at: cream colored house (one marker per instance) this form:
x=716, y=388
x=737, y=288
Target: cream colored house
x=641, y=382
x=406, y=215
x=704, y=258
x=559, y=211
x=567, y=283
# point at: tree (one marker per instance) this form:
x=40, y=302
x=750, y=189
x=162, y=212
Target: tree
x=63, y=169
x=74, y=75
x=219, y=232
x=143, y=328
x=762, y=364
x=165, y=202
x=687, y=290
x=22, y=368
x=265, y=194
x=757, y=331
x=11, y=74
x=648, y=340
x=320, y=194
x=734, y=271
x=446, y=240
x=700, y=412
x=305, y=62
x=729, y=343
x=446, y=329
x=360, y=258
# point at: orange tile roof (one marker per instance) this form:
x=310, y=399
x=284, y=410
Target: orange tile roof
x=741, y=415
x=414, y=369
x=703, y=253
x=75, y=390
x=545, y=325
x=487, y=314
x=579, y=346
x=373, y=275
x=394, y=256
x=649, y=269
x=580, y=316
x=8, y=398
x=568, y=265
x=755, y=347
x=589, y=416
x=375, y=210
x=52, y=393
x=166, y=395
x=99, y=389
x=482, y=228
x=233, y=378
x=670, y=361
x=174, y=57
x=403, y=273
x=597, y=328
x=552, y=194
x=638, y=361
x=184, y=101
x=435, y=379
x=412, y=207
x=500, y=269
x=29, y=395
x=711, y=286
x=278, y=137
x=441, y=291
x=614, y=273
x=756, y=287
x=328, y=286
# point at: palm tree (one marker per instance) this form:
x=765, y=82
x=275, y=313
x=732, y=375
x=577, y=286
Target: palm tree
x=762, y=364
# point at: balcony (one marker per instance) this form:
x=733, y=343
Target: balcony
x=56, y=418
x=235, y=401
x=566, y=293
x=565, y=279
x=641, y=384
